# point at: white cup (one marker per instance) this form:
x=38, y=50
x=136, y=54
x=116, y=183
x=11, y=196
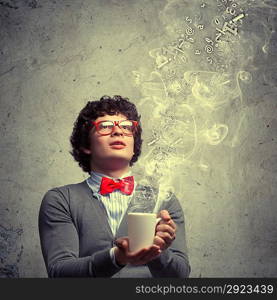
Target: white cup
x=141, y=230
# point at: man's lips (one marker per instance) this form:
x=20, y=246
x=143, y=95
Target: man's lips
x=117, y=146
x=119, y=143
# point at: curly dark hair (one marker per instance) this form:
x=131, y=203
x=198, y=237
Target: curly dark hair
x=94, y=109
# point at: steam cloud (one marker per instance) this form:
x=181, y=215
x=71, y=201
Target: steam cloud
x=195, y=84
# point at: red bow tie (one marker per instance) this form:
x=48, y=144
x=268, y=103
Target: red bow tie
x=125, y=185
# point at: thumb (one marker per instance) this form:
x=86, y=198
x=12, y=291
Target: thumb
x=122, y=243
x=164, y=214
x=125, y=243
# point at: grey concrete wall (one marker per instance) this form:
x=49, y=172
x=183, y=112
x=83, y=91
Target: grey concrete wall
x=207, y=96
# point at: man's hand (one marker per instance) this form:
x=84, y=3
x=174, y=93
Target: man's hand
x=164, y=236
x=141, y=257
x=165, y=231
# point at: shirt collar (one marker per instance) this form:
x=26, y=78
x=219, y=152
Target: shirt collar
x=97, y=177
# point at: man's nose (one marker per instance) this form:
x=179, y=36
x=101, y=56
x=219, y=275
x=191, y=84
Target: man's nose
x=117, y=130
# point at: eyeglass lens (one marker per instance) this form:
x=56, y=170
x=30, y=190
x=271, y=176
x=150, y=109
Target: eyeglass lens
x=106, y=127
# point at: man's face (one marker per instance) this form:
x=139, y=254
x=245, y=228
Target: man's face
x=103, y=151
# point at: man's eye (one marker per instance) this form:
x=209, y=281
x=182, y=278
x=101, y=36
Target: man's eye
x=106, y=125
x=126, y=124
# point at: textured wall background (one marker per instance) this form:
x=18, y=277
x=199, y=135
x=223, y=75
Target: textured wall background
x=207, y=94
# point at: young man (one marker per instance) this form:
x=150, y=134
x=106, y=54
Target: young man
x=83, y=227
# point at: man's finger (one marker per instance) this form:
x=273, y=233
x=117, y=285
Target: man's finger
x=165, y=236
x=151, y=255
x=159, y=241
x=166, y=219
x=142, y=251
x=164, y=215
x=137, y=258
x=169, y=222
x=172, y=224
x=165, y=228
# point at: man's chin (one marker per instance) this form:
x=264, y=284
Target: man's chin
x=116, y=161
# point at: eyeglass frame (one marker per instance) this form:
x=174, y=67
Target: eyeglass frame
x=116, y=123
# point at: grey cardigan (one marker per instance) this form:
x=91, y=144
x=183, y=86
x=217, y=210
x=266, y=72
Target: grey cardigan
x=76, y=237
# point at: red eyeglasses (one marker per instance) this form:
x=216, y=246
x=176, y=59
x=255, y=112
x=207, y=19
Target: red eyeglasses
x=106, y=127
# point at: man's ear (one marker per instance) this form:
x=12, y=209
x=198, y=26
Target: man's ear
x=85, y=150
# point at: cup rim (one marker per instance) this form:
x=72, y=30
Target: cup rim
x=142, y=214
